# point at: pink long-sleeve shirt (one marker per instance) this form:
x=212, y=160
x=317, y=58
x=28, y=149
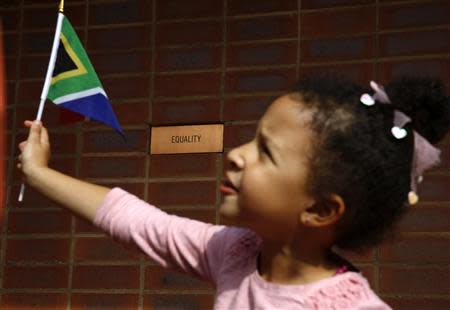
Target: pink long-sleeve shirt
x=226, y=257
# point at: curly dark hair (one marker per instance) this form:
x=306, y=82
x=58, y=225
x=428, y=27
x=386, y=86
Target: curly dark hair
x=357, y=157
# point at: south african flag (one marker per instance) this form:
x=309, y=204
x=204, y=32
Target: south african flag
x=75, y=85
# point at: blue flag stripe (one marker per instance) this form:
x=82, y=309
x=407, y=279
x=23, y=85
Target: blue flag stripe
x=96, y=107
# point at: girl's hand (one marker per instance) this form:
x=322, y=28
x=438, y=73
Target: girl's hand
x=35, y=151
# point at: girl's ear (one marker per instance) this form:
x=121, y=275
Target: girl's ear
x=326, y=213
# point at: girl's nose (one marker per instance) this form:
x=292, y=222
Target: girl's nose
x=235, y=158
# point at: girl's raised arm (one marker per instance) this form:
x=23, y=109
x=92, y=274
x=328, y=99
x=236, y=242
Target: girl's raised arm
x=81, y=197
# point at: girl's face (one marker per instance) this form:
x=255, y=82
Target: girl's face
x=265, y=188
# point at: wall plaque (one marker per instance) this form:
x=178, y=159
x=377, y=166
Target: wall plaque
x=187, y=139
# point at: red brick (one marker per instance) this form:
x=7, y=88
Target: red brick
x=366, y=256
x=236, y=135
x=36, y=277
x=160, y=278
x=51, y=111
x=360, y=73
x=45, y=18
x=64, y=165
x=368, y=271
x=414, y=280
x=61, y=142
x=112, y=167
x=111, y=141
x=256, y=54
x=105, y=277
x=246, y=108
x=120, y=62
x=178, y=301
x=360, y=47
x=10, y=19
x=444, y=165
x=102, y=249
x=132, y=113
x=10, y=69
x=32, y=198
x=435, y=188
x=10, y=93
x=130, y=37
x=439, y=68
x=186, y=111
x=41, y=42
x=255, y=81
x=202, y=215
x=172, y=9
x=9, y=125
x=83, y=226
x=38, y=250
x=237, y=7
x=189, y=32
x=120, y=12
x=316, y=4
x=136, y=189
x=426, y=219
x=11, y=44
x=29, y=301
x=104, y=301
x=31, y=2
x=182, y=193
x=188, y=59
x=38, y=222
x=29, y=91
x=414, y=15
x=342, y=22
x=430, y=249
x=173, y=85
x=184, y=165
x=415, y=43
x=263, y=28
x=127, y=87
x=417, y=303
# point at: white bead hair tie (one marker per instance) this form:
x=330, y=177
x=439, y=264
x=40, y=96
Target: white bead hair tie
x=425, y=154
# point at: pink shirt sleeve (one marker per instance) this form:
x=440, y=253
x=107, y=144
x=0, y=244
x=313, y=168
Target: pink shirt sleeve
x=184, y=244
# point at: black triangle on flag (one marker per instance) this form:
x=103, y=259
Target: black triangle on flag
x=63, y=62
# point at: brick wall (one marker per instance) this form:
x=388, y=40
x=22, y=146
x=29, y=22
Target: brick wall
x=194, y=62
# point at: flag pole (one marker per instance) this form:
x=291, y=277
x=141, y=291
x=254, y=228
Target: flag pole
x=51, y=63
x=48, y=76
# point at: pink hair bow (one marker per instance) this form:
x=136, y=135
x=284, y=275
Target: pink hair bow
x=425, y=155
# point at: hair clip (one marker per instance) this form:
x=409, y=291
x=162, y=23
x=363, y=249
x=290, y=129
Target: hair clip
x=425, y=155
x=398, y=132
x=400, y=118
x=367, y=100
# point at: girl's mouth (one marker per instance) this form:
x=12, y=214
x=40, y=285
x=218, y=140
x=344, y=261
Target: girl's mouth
x=227, y=188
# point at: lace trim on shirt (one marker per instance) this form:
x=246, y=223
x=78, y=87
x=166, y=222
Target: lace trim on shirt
x=344, y=294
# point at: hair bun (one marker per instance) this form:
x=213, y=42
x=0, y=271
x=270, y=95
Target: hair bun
x=425, y=101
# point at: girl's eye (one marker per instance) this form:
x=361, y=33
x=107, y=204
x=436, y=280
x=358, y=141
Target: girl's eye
x=264, y=149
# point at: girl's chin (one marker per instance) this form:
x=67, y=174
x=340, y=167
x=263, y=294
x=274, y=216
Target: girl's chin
x=228, y=209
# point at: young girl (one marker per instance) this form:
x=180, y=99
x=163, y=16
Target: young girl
x=332, y=164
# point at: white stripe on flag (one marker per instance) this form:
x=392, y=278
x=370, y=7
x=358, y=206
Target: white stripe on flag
x=81, y=94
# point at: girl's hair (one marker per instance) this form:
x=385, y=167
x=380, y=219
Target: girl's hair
x=356, y=156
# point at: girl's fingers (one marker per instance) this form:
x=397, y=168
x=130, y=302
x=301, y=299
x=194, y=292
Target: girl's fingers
x=28, y=123
x=35, y=131
x=44, y=136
